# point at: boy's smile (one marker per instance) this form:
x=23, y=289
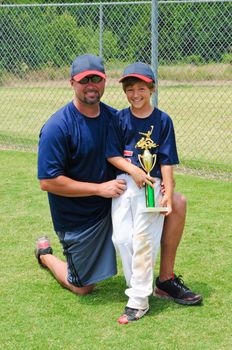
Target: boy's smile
x=139, y=96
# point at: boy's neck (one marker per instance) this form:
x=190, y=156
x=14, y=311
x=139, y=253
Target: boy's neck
x=142, y=112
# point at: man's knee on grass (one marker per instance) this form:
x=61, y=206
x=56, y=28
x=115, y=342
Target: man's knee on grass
x=82, y=290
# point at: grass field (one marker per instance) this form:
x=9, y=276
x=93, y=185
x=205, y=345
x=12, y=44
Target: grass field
x=38, y=314
x=198, y=98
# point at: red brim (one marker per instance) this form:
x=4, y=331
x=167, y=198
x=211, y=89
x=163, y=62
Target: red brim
x=141, y=77
x=82, y=75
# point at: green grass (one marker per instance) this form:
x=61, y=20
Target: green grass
x=206, y=168
x=201, y=115
x=198, y=98
x=36, y=313
x=191, y=72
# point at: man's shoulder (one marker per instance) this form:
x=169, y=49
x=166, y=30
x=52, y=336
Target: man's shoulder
x=58, y=123
x=124, y=111
x=64, y=111
x=108, y=108
x=57, y=118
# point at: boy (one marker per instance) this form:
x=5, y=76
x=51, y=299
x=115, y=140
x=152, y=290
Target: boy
x=136, y=234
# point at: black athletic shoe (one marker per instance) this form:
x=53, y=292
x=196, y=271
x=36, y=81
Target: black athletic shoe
x=131, y=315
x=176, y=290
x=42, y=247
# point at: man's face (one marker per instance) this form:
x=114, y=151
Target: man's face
x=89, y=90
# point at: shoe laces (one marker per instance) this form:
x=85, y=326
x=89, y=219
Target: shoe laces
x=179, y=282
x=130, y=311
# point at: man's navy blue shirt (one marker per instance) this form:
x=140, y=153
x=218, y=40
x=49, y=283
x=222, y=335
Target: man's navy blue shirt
x=73, y=145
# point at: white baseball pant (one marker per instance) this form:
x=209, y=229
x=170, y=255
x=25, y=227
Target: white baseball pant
x=136, y=236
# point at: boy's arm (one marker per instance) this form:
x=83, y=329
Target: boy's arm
x=139, y=176
x=168, y=181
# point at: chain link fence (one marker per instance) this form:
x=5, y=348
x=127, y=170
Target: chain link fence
x=188, y=43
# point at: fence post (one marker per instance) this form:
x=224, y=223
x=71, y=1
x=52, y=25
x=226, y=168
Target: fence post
x=154, y=46
x=101, y=30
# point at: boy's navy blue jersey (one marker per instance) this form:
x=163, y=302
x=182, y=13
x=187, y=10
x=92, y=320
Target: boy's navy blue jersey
x=73, y=145
x=124, y=134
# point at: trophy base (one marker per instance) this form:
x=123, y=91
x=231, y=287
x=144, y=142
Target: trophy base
x=155, y=210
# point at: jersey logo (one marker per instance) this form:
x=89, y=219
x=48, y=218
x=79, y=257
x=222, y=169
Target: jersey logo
x=127, y=153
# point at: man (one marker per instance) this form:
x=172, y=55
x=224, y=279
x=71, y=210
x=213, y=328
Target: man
x=80, y=183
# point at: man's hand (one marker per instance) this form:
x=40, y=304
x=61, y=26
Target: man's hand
x=112, y=189
x=162, y=187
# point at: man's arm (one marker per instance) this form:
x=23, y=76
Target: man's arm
x=139, y=176
x=66, y=187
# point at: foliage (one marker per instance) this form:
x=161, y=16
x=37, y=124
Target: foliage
x=51, y=36
x=227, y=58
x=187, y=29
x=53, y=1
x=3, y=74
x=194, y=59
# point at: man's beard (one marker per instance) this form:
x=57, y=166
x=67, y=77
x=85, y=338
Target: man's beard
x=93, y=100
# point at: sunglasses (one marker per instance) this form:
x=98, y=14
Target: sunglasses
x=94, y=79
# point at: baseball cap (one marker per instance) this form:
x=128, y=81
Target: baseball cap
x=139, y=70
x=85, y=65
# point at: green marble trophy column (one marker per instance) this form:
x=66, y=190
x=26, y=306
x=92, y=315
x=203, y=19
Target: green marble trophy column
x=147, y=162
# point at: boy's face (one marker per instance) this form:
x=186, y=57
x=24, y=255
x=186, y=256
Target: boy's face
x=139, y=95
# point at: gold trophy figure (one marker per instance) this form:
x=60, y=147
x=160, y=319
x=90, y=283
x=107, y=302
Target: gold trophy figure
x=147, y=162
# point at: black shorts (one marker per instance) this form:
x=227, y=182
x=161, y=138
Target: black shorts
x=90, y=253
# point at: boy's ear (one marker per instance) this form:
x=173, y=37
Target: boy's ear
x=152, y=90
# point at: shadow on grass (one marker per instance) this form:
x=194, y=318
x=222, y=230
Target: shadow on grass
x=112, y=291
x=108, y=291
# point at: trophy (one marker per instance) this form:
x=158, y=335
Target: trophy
x=147, y=162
